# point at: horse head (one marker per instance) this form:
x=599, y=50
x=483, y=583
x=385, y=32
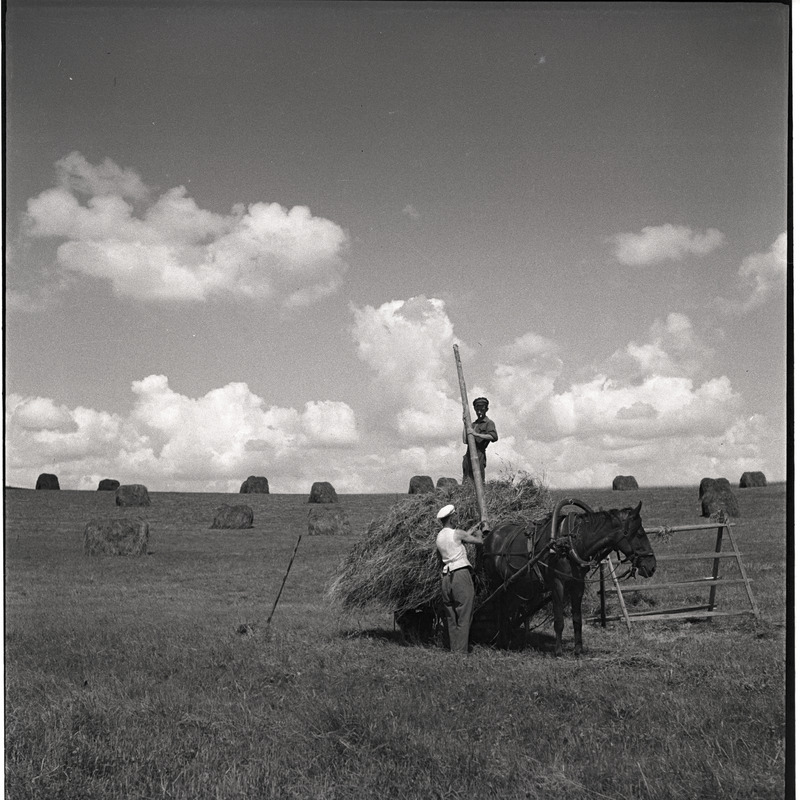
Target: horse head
x=633, y=542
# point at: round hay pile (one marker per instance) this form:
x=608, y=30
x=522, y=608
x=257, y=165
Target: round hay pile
x=233, y=517
x=322, y=492
x=704, y=485
x=108, y=485
x=421, y=484
x=624, y=483
x=116, y=537
x=132, y=494
x=255, y=484
x=444, y=483
x=47, y=481
x=751, y=480
x=326, y=521
x=718, y=498
x=395, y=564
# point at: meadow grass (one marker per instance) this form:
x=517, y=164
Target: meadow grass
x=156, y=676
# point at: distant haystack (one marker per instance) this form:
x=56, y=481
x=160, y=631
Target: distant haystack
x=704, y=484
x=108, y=485
x=255, y=485
x=116, y=537
x=446, y=483
x=421, y=484
x=233, y=517
x=718, y=498
x=322, y=492
x=624, y=483
x=132, y=494
x=328, y=520
x=47, y=481
x=752, y=480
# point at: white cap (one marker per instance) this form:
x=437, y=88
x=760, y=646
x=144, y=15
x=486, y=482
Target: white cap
x=445, y=512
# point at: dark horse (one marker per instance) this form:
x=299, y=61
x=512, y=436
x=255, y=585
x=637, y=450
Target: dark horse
x=525, y=569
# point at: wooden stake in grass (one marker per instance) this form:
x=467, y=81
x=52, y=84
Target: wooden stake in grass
x=473, y=449
x=283, y=582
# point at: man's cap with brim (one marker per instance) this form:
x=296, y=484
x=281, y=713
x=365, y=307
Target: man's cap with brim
x=445, y=512
x=480, y=401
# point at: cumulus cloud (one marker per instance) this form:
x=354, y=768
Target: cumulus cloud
x=405, y=343
x=211, y=441
x=171, y=249
x=761, y=277
x=654, y=245
x=673, y=349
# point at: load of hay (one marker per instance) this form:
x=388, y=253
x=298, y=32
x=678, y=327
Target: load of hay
x=420, y=484
x=750, y=480
x=718, y=498
x=47, y=481
x=624, y=483
x=395, y=565
x=108, y=485
x=132, y=494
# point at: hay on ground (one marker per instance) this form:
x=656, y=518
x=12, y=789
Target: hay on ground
x=395, y=565
x=718, y=498
x=233, y=517
x=108, y=485
x=328, y=520
x=421, y=484
x=255, y=484
x=116, y=537
x=47, y=481
x=322, y=492
x=752, y=480
x=132, y=494
x=624, y=483
x=443, y=483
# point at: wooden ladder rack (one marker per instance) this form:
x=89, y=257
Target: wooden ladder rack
x=706, y=610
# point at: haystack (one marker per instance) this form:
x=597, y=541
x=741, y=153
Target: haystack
x=322, y=492
x=233, y=517
x=421, y=484
x=255, y=484
x=132, y=494
x=108, y=485
x=751, y=480
x=444, y=483
x=624, y=483
x=116, y=537
x=704, y=484
x=395, y=566
x=47, y=481
x=718, y=498
x=328, y=520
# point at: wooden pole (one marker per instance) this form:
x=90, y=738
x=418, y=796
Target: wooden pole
x=283, y=583
x=473, y=448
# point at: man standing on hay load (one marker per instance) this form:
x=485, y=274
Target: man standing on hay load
x=458, y=591
x=485, y=433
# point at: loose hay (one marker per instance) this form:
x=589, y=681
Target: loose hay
x=233, y=517
x=328, y=520
x=395, y=565
x=116, y=537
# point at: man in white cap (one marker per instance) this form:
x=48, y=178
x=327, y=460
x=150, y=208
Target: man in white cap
x=458, y=592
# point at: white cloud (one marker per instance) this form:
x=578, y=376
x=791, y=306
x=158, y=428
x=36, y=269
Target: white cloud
x=664, y=243
x=170, y=440
x=673, y=349
x=410, y=211
x=170, y=249
x=761, y=277
x=406, y=342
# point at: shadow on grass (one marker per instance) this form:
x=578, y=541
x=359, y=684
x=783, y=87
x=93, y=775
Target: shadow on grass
x=381, y=634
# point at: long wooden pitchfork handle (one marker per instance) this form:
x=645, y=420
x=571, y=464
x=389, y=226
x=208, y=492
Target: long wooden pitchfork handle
x=283, y=583
x=473, y=449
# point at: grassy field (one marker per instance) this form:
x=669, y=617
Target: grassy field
x=155, y=677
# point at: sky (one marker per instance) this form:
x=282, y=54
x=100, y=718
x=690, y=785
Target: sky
x=242, y=239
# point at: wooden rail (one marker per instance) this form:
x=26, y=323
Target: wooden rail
x=705, y=611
